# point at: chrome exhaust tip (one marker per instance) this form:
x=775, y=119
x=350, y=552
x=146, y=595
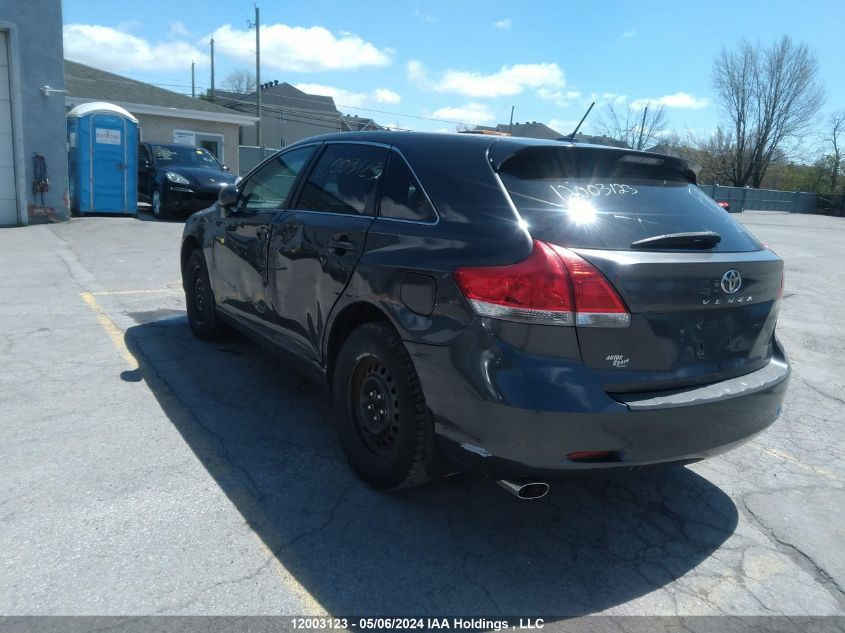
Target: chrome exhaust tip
x=525, y=489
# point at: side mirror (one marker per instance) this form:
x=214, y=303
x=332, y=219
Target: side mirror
x=225, y=168
x=227, y=198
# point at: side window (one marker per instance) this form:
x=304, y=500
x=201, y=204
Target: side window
x=344, y=180
x=270, y=186
x=402, y=198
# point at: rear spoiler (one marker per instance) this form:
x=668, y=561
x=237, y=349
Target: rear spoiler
x=502, y=150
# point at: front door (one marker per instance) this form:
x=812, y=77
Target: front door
x=109, y=163
x=317, y=242
x=239, y=248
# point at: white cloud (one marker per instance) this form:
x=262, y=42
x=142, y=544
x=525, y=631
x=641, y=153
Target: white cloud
x=116, y=50
x=608, y=97
x=564, y=126
x=562, y=98
x=509, y=80
x=384, y=95
x=503, y=24
x=629, y=34
x=349, y=98
x=475, y=113
x=300, y=49
x=178, y=29
x=416, y=72
x=425, y=17
x=677, y=100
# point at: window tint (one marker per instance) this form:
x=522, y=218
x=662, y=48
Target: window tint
x=270, y=186
x=586, y=198
x=402, y=197
x=344, y=180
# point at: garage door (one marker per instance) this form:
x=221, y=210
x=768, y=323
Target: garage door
x=8, y=204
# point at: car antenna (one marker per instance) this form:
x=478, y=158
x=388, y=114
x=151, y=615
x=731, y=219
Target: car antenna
x=571, y=137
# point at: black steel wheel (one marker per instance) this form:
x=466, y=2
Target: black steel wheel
x=383, y=423
x=199, y=299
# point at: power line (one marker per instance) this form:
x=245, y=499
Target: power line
x=128, y=81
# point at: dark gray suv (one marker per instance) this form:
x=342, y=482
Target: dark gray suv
x=511, y=307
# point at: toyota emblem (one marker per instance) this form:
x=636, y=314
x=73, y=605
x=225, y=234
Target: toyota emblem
x=731, y=281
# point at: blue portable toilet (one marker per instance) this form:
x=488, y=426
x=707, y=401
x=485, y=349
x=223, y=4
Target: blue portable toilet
x=103, y=161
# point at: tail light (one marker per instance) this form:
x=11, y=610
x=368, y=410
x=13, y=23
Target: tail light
x=553, y=286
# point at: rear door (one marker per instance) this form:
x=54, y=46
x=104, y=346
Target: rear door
x=317, y=242
x=699, y=312
x=239, y=249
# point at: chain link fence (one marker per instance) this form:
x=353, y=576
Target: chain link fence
x=831, y=205
x=748, y=199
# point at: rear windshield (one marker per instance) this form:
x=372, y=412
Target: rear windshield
x=606, y=199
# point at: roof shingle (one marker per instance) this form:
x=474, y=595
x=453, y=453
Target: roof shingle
x=87, y=82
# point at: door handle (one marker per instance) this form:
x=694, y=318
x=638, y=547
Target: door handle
x=342, y=243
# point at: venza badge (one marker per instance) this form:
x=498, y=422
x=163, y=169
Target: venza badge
x=731, y=281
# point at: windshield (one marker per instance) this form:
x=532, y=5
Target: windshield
x=586, y=198
x=187, y=156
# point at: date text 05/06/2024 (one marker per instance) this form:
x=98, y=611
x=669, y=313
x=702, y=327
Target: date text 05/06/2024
x=410, y=624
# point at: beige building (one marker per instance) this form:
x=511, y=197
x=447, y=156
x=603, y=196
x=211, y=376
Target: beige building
x=163, y=116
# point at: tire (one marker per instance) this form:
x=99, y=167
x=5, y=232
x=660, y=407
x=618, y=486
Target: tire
x=199, y=299
x=159, y=204
x=375, y=373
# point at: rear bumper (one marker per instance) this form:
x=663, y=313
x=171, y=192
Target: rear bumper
x=502, y=414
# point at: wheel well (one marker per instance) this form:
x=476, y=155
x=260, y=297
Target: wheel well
x=189, y=245
x=350, y=318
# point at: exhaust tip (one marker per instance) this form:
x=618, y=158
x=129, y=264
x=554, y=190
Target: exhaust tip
x=525, y=489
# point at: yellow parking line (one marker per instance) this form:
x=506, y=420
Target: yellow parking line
x=794, y=460
x=293, y=585
x=114, y=332
x=102, y=293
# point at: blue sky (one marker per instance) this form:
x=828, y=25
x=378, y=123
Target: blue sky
x=431, y=65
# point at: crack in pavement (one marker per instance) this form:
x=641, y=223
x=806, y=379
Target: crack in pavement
x=800, y=557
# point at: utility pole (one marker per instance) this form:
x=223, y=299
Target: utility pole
x=257, y=26
x=642, y=129
x=510, y=125
x=212, y=70
x=193, y=83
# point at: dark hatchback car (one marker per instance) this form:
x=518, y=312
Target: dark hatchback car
x=179, y=179
x=511, y=307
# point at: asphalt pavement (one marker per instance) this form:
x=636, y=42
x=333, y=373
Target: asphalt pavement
x=147, y=472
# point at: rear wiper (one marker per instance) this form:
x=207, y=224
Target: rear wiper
x=692, y=239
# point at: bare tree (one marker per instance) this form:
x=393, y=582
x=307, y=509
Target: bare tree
x=836, y=127
x=768, y=95
x=240, y=81
x=638, y=124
